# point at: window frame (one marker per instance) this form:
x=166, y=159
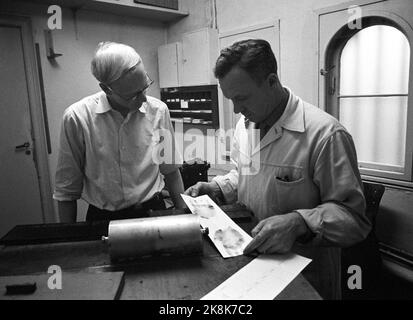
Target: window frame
x=372, y=171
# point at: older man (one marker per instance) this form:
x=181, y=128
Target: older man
x=108, y=142
x=307, y=192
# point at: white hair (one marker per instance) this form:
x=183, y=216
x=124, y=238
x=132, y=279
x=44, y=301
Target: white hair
x=112, y=60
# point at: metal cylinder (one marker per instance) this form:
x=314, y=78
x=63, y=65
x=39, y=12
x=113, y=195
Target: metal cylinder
x=167, y=235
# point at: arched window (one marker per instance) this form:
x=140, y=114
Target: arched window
x=374, y=78
x=368, y=91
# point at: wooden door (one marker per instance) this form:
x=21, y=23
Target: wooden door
x=20, y=199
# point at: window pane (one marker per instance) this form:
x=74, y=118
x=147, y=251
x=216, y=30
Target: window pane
x=375, y=61
x=378, y=127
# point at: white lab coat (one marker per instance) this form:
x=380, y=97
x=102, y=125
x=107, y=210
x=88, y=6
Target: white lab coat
x=305, y=163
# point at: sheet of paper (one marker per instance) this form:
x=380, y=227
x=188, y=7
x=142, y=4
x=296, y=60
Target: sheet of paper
x=227, y=236
x=184, y=104
x=262, y=279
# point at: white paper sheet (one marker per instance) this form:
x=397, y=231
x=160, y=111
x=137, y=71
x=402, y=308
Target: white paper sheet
x=184, y=104
x=262, y=279
x=227, y=236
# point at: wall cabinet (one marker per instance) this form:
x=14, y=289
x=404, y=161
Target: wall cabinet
x=169, y=68
x=190, y=62
x=199, y=52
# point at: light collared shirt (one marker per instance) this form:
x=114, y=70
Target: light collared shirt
x=108, y=160
x=305, y=163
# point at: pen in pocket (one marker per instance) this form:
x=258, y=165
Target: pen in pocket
x=285, y=179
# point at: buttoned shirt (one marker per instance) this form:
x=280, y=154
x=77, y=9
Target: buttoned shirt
x=111, y=161
x=305, y=163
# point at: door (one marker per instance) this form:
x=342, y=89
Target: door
x=20, y=199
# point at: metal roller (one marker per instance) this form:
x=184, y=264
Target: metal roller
x=130, y=238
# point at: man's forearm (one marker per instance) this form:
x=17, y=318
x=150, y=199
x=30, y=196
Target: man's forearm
x=175, y=186
x=228, y=185
x=67, y=211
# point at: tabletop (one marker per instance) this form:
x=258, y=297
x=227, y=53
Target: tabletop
x=170, y=278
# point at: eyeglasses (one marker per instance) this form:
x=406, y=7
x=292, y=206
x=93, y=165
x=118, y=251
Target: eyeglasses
x=137, y=94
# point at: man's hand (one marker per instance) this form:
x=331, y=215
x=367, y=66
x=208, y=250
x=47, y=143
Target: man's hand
x=210, y=188
x=276, y=234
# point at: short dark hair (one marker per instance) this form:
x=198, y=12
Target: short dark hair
x=255, y=56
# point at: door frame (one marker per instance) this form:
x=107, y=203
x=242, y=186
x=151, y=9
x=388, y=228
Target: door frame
x=41, y=160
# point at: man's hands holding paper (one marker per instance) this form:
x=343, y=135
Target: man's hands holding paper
x=277, y=234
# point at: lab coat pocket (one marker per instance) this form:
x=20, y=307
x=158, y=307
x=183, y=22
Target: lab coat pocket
x=290, y=186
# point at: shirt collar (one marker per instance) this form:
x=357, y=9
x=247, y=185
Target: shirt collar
x=103, y=104
x=293, y=117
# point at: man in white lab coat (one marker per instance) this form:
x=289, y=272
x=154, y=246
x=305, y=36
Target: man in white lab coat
x=306, y=189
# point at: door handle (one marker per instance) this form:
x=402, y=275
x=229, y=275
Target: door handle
x=24, y=147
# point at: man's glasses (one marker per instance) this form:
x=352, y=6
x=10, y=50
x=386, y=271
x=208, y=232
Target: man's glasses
x=137, y=94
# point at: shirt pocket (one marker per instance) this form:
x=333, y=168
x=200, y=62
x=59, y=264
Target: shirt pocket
x=290, y=186
x=147, y=139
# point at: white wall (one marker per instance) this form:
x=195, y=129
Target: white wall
x=201, y=13
x=298, y=30
x=299, y=58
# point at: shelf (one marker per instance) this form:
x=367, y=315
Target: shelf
x=191, y=111
x=193, y=105
x=121, y=7
x=180, y=120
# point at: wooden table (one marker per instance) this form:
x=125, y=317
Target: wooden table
x=155, y=278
